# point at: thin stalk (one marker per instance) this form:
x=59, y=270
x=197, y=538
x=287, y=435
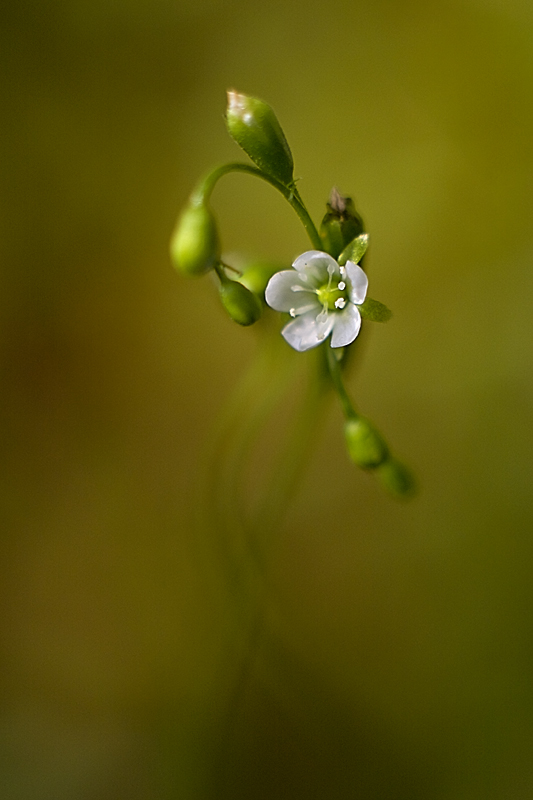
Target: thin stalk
x=204, y=189
x=334, y=367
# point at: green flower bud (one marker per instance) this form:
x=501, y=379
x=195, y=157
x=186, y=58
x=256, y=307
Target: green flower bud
x=255, y=127
x=397, y=478
x=257, y=274
x=240, y=303
x=366, y=446
x=194, y=246
x=340, y=225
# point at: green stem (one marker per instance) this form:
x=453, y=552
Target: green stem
x=334, y=367
x=204, y=189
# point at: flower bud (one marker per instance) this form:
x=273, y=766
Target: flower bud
x=241, y=304
x=397, y=478
x=340, y=225
x=194, y=247
x=366, y=446
x=257, y=274
x=255, y=127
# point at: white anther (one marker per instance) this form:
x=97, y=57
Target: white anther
x=341, y=286
x=340, y=302
x=342, y=271
x=292, y=312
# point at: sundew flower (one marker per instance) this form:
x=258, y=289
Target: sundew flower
x=322, y=297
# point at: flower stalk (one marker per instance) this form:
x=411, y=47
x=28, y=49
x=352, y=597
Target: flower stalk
x=323, y=294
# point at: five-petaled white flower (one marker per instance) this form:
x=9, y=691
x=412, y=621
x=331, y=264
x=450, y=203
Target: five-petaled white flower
x=322, y=297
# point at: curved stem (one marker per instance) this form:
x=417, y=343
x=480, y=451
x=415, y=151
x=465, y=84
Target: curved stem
x=204, y=189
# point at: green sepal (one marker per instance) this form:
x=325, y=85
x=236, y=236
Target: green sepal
x=194, y=246
x=397, y=479
x=340, y=225
x=366, y=446
x=355, y=250
x=374, y=311
x=243, y=306
x=255, y=128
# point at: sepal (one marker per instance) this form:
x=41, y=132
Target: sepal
x=374, y=311
x=355, y=250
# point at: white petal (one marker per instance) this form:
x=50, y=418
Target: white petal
x=314, y=265
x=304, y=332
x=280, y=295
x=347, y=326
x=358, y=282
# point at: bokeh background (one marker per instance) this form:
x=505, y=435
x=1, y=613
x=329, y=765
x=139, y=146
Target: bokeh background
x=404, y=631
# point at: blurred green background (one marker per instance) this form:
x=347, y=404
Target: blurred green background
x=404, y=631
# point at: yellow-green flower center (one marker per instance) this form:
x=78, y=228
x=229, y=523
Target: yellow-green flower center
x=332, y=297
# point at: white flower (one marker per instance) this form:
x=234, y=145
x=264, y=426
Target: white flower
x=322, y=297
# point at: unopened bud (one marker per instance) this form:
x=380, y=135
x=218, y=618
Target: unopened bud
x=340, y=225
x=255, y=127
x=257, y=274
x=194, y=247
x=366, y=446
x=241, y=304
x=397, y=478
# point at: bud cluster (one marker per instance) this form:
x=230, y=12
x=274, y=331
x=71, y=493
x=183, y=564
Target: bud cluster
x=368, y=449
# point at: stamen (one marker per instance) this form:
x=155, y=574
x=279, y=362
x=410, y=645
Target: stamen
x=298, y=288
x=340, y=302
x=323, y=316
x=341, y=286
x=321, y=321
x=296, y=312
x=331, y=272
x=342, y=271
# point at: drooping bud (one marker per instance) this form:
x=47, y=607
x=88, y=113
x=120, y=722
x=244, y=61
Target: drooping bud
x=255, y=127
x=241, y=304
x=397, y=478
x=341, y=224
x=366, y=446
x=194, y=246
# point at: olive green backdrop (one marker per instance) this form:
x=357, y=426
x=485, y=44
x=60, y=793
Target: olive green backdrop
x=404, y=631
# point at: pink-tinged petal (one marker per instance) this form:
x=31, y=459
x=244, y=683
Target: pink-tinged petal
x=280, y=294
x=304, y=332
x=313, y=267
x=347, y=326
x=358, y=282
